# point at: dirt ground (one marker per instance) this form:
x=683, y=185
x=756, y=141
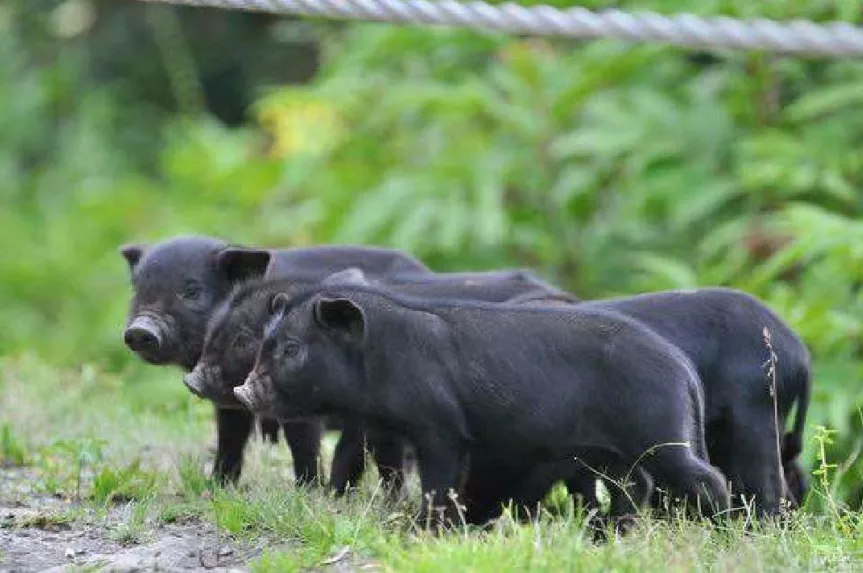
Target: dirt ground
x=39, y=532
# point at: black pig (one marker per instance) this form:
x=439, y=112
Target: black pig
x=228, y=355
x=720, y=330
x=178, y=283
x=462, y=380
x=237, y=328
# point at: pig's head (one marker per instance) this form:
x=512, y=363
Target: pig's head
x=231, y=344
x=177, y=286
x=310, y=360
x=236, y=331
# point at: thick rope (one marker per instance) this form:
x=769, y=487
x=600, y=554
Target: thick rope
x=798, y=37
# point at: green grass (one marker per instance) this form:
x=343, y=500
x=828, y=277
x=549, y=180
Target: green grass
x=126, y=483
x=143, y=466
x=12, y=453
x=135, y=522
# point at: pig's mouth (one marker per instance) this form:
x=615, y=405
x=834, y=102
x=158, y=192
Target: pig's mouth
x=197, y=380
x=154, y=358
x=258, y=395
x=206, y=381
x=255, y=392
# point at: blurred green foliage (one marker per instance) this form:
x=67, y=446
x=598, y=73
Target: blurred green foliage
x=608, y=168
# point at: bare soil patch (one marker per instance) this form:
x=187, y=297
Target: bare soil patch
x=39, y=532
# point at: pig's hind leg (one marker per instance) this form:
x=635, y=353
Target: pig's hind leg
x=442, y=470
x=688, y=477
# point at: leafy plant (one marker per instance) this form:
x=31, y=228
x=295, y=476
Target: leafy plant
x=63, y=464
x=127, y=483
x=193, y=480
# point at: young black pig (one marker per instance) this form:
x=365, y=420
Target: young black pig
x=237, y=328
x=721, y=331
x=179, y=282
x=496, y=382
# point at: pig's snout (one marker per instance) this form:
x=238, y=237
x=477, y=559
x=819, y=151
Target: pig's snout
x=143, y=335
x=246, y=396
x=194, y=382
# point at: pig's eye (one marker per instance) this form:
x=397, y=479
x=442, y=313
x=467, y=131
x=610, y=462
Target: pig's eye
x=191, y=291
x=290, y=349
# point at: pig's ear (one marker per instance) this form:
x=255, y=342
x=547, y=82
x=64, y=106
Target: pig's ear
x=278, y=304
x=133, y=254
x=340, y=315
x=239, y=264
x=351, y=276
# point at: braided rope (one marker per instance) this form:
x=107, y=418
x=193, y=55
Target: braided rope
x=798, y=36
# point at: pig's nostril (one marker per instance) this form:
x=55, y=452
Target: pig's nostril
x=141, y=339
